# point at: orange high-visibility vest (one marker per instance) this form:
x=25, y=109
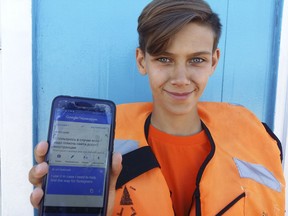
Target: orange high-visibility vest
x=242, y=175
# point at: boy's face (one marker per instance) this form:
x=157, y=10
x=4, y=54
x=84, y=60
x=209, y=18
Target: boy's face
x=179, y=75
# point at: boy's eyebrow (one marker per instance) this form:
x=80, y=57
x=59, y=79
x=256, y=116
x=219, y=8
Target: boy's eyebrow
x=202, y=53
x=190, y=54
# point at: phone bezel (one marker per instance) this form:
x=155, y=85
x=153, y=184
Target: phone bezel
x=80, y=210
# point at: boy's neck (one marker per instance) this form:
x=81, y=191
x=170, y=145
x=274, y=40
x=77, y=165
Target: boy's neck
x=179, y=125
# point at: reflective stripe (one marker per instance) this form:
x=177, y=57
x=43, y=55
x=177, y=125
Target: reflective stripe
x=257, y=173
x=125, y=146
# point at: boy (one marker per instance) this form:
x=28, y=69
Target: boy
x=215, y=158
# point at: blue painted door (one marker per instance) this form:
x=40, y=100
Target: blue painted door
x=87, y=48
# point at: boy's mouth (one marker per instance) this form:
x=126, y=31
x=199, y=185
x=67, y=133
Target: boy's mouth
x=179, y=95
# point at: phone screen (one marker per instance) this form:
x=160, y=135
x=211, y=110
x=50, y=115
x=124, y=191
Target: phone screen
x=79, y=156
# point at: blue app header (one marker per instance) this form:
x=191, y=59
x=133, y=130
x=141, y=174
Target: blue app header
x=82, y=116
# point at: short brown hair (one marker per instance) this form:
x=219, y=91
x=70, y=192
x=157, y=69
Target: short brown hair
x=161, y=19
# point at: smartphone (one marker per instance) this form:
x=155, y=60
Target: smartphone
x=80, y=138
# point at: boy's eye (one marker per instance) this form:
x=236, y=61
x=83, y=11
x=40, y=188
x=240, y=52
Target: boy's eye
x=164, y=60
x=197, y=60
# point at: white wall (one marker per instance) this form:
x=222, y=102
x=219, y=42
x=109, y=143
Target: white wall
x=281, y=109
x=16, y=106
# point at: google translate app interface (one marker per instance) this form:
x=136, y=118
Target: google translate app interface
x=77, y=159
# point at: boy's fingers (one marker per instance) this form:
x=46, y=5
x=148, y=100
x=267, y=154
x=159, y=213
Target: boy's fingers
x=40, y=151
x=36, y=196
x=37, y=173
x=115, y=171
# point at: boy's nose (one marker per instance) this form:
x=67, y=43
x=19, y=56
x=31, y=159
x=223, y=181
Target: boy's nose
x=180, y=76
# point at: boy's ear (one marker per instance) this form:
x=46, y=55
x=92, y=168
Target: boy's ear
x=215, y=60
x=140, y=59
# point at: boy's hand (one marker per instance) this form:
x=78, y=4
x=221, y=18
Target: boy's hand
x=38, y=171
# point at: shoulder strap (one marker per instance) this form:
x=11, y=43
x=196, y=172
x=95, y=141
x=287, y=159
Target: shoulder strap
x=136, y=163
x=270, y=132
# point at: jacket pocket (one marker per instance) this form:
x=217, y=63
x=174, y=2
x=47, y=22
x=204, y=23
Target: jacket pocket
x=231, y=204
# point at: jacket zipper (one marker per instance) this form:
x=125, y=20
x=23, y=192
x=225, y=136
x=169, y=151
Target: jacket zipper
x=201, y=170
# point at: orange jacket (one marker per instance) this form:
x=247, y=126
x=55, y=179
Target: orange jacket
x=242, y=175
